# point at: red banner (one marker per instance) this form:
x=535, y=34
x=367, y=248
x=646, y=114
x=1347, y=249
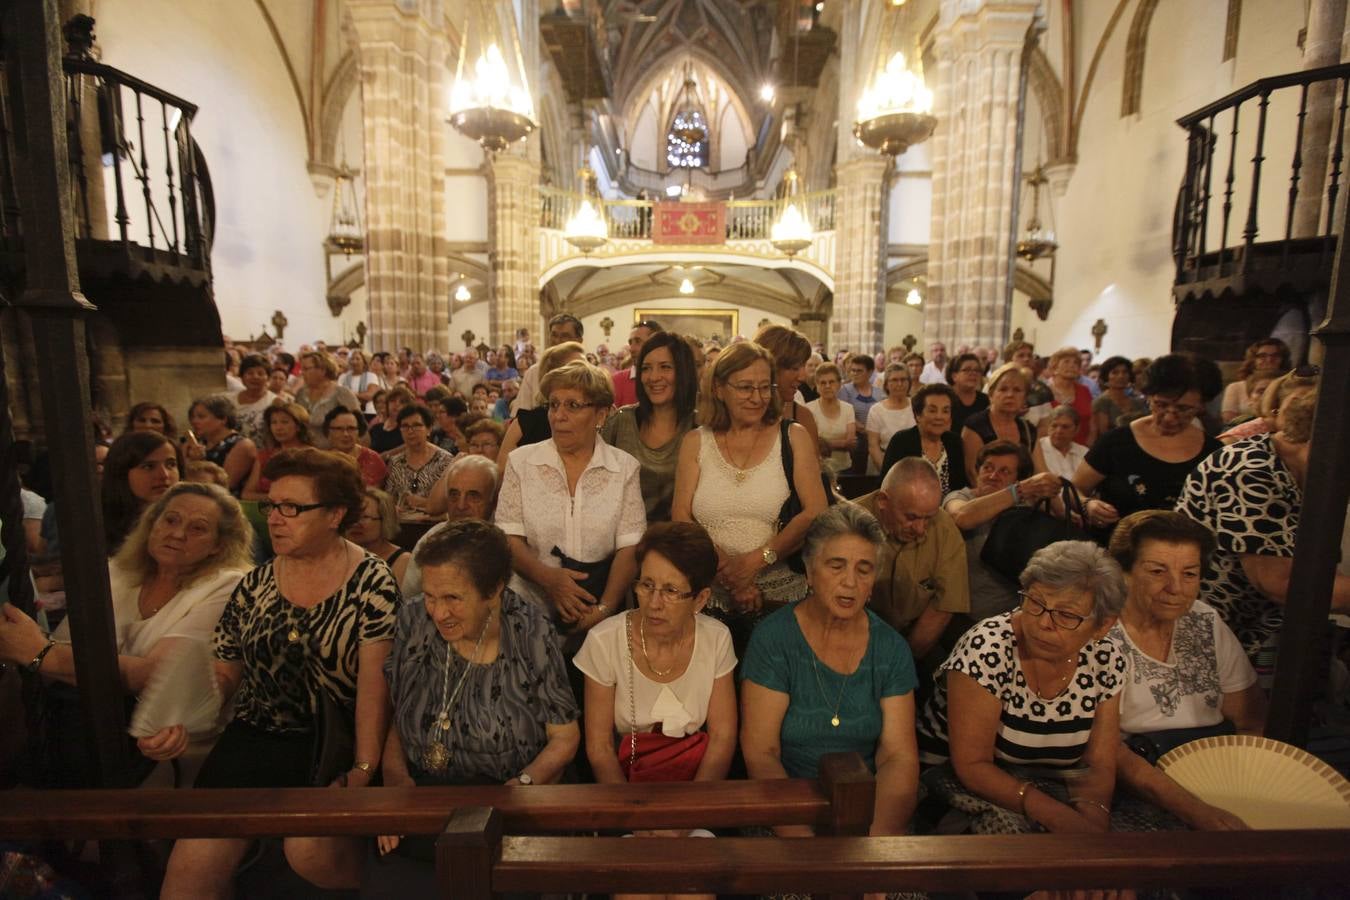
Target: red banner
x=689, y=223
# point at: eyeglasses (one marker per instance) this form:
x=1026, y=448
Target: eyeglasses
x=1062, y=618
x=412, y=426
x=1163, y=407
x=571, y=406
x=646, y=589
x=745, y=390
x=288, y=510
x=332, y=428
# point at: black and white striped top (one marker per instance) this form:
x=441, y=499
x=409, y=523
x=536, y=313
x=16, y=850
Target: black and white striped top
x=1031, y=731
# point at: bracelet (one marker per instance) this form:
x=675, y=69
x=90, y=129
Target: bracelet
x=1012, y=489
x=36, y=663
x=1102, y=806
x=1022, y=796
x=364, y=767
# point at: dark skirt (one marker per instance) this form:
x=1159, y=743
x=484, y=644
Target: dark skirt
x=248, y=756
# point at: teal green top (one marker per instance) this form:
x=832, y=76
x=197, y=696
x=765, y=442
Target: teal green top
x=780, y=659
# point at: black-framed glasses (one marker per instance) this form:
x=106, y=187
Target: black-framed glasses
x=288, y=510
x=646, y=589
x=1061, y=617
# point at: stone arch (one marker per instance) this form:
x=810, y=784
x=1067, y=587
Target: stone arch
x=1043, y=80
x=345, y=79
x=1076, y=123
x=1135, y=45
x=290, y=68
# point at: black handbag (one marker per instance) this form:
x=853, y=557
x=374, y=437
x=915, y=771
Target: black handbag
x=1019, y=532
x=334, y=738
x=792, y=506
x=1154, y=744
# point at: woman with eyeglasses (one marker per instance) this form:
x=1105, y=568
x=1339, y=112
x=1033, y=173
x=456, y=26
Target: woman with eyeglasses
x=415, y=469
x=732, y=479
x=1023, y=726
x=891, y=416
x=965, y=373
x=1269, y=356
x=1142, y=465
x=303, y=632
x=572, y=505
x=376, y=529
x=345, y=429
x=530, y=426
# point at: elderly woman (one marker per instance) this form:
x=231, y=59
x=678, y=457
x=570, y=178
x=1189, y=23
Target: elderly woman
x=1002, y=421
x=362, y=380
x=827, y=675
x=484, y=438
x=1065, y=368
x=1058, y=453
x=320, y=390
x=651, y=430
x=253, y=400
x=375, y=530
x=344, y=430
x=169, y=583
x=572, y=504
x=287, y=427
x=931, y=437
x=141, y=466
x=1143, y=465
x=1277, y=393
x=530, y=426
x=415, y=469
x=215, y=437
x=1024, y=720
x=307, y=630
x=1187, y=675
x=733, y=479
x=479, y=690
x=1269, y=356
x=1117, y=403
x=468, y=491
x=790, y=350
x=836, y=422
x=151, y=417
x=965, y=373
x=891, y=416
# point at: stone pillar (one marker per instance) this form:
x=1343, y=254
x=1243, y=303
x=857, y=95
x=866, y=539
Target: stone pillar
x=513, y=246
x=860, y=260
x=1322, y=47
x=814, y=325
x=979, y=52
x=401, y=50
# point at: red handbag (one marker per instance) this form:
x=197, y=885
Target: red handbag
x=652, y=756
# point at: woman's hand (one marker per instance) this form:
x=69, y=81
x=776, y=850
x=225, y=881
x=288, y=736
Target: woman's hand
x=1100, y=513
x=167, y=743
x=1211, y=818
x=748, y=599
x=1038, y=487
x=352, y=778
x=20, y=637
x=387, y=843
x=739, y=571
x=574, y=602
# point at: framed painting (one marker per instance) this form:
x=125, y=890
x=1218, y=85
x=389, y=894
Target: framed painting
x=720, y=325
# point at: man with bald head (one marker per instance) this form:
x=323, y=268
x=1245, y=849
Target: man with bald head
x=921, y=570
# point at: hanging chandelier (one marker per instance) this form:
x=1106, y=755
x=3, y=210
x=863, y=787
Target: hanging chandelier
x=1040, y=241
x=586, y=229
x=896, y=111
x=791, y=234
x=487, y=106
x=344, y=231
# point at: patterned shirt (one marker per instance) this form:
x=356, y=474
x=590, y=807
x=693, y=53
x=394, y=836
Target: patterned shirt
x=280, y=674
x=402, y=477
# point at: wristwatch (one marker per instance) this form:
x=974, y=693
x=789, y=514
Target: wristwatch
x=770, y=556
x=524, y=778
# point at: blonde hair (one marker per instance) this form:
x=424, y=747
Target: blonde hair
x=897, y=368
x=1298, y=416
x=712, y=412
x=552, y=358
x=234, y=536
x=1062, y=353
x=593, y=382
x=1004, y=371
x=323, y=361
x=1281, y=389
x=388, y=511
x=205, y=472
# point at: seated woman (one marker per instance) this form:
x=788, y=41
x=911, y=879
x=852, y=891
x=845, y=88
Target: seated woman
x=215, y=437
x=1058, y=453
x=931, y=437
x=572, y=504
x=826, y=675
x=384, y=432
x=662, y=669
x=169, y=583
x=287, y=426
x=1187, y=676
x=140, y=468
x=344, y=430
x=479, y=691
x=484, y=438
x=1023, y=724
x=415, y=469
x=1277, y=394
x=375, y=531
x=316, y=620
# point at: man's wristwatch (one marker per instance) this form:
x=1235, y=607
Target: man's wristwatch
x=770, y=556
x=524, y=778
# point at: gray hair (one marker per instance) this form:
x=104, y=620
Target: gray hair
x=472, y=461
x=841, y=520
x=910, y=469
x=1065, y=411
x=220, y=406
x=1083, y=565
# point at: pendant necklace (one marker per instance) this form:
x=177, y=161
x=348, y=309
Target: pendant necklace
x=739, y=471
x=1066, y=678
x=437, y=757
x=839, y=698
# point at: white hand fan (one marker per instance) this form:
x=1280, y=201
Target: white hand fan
x=182, y=691
x=1267, y=783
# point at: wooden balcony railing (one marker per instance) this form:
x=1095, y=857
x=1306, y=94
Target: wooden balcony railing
x=747, y=220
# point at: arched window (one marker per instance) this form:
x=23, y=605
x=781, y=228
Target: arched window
x=687, y=140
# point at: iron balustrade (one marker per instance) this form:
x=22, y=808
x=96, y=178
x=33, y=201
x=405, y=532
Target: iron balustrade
x=747, y=220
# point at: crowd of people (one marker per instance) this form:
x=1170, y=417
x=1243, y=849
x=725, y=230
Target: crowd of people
x=650, y=569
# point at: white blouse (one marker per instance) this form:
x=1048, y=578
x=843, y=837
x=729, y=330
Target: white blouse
x=1062, y=464
x=606, y=514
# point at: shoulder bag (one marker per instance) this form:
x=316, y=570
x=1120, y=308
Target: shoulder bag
x=1019, y=532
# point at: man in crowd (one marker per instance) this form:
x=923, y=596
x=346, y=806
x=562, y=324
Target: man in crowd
x=936, y=370
x=625, y=381
x=921, y=570
x=562, y=328
x=470, y=373
x=420, y=378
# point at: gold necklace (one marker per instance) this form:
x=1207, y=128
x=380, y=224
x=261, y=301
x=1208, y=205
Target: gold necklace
x=839, y=699
x=1064, y=678
x=437, y=756
x=740, y=468
x=642, y=639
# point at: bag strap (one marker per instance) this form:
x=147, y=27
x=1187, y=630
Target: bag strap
x=788, y=462
x=632, y=692
x=1072, y=503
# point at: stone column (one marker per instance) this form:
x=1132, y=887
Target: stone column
x=513, y=246
x=1326, y=28
x=860, y=260
x=979, y=51
x=401, y=50
x=814, y=325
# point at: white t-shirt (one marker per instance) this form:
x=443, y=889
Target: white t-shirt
x=358, y=383
x=833, y=429
x=1186, y=690
x=886, y=422
x=681, y=706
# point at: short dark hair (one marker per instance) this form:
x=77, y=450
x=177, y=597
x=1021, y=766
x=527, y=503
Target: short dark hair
x=254, y=361
x=337, y=481
x=453, y=406
x=479, y=548
x=862, y=359
x=954, y=365
x=344, y=411
x=920, y=399
x=1163, y=525
x=686, y=375
x=568, y=319
x=220, y=406
x=686, y=546
x=1006, y=448
x=1172, y=375
x=1111, y=363
x=416, y=409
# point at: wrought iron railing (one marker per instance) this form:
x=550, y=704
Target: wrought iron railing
x=747, y=220
x=1221, y=213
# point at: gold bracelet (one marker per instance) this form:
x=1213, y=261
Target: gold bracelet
x=364, y=767
x=1022, y=796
